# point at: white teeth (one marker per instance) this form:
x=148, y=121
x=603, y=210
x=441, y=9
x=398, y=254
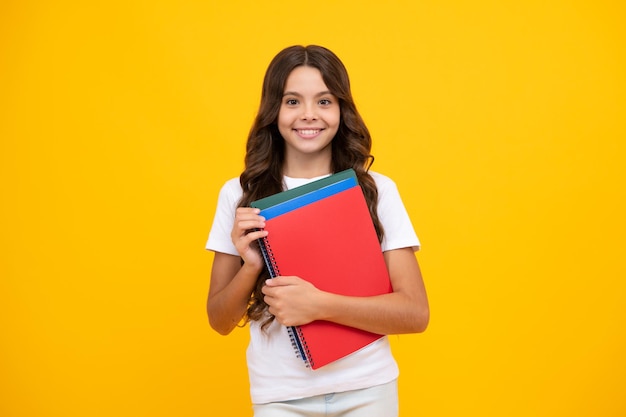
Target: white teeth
x=309, y=132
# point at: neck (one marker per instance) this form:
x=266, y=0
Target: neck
x=310, y=169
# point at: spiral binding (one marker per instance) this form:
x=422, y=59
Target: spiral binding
x=305, y=349
x=295, y=335
x=268, y=257
x=296, y=343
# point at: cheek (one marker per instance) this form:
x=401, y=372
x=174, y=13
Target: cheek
x=284, y=118
x=284, y=125
x=336, y=118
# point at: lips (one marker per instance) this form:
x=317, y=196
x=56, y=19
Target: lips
x=308, y=132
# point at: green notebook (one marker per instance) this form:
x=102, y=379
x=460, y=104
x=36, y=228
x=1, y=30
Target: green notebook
x=282, y=197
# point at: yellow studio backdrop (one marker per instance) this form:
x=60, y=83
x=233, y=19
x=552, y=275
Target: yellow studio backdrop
x=501, y=122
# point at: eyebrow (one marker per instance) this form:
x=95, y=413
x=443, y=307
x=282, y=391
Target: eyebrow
x=294, y=93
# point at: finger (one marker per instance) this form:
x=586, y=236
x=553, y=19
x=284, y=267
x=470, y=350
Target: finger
x=247, y=214
x=270, y=301
x=248, y=224
x=282, y=281
x=250, y=219
x=243, y=229
x=276, y=282
x=249, y=238
x=244, y=210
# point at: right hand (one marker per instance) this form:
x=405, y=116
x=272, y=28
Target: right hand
x=244, y=235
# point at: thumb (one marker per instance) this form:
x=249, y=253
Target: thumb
x=278, y=281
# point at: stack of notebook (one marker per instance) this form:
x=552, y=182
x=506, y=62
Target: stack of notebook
x=323, y=233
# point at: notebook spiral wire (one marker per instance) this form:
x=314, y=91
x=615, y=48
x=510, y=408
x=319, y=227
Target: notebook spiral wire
x=297, y=340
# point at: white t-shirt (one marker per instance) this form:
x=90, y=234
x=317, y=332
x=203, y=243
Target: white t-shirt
x=275, y=372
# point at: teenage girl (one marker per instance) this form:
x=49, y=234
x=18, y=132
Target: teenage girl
x=307, y=128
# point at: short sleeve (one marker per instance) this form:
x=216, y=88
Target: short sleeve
x=227, y=201
x=399, y=231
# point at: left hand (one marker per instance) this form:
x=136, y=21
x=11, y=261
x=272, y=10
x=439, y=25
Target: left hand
x=292, y=300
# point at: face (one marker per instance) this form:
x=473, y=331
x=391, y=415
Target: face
x=309, y=115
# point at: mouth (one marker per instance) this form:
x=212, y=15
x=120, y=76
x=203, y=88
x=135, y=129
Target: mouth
x=308, y=132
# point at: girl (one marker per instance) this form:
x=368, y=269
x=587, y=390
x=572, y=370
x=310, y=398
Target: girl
x=308, y=127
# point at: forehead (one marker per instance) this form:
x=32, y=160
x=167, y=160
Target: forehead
x=305, y=79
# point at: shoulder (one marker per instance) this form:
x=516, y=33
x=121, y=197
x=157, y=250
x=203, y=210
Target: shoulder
x=229, y=196
x=228, y=199
x=231, y=190
x=383, y=183
x=399, y=231
x=232, y=184
x=381, y=179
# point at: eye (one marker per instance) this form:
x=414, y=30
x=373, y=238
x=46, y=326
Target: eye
x=291, y=102
x=325, y=102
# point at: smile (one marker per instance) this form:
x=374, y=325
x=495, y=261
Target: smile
x=308, y=132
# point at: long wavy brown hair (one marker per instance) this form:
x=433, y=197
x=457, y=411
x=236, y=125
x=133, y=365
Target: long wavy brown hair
x=265, y=149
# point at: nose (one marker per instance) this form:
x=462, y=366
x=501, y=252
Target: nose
x=309, y=113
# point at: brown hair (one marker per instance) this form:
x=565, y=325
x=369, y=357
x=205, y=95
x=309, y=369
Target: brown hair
x=265, y=149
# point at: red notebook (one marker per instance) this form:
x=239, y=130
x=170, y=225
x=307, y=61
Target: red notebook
x=330, y=242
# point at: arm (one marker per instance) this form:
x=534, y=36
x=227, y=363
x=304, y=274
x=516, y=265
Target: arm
x=294, y=301
x=231, y=282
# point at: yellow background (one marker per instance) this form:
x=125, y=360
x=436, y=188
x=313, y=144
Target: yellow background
x=501, y=122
